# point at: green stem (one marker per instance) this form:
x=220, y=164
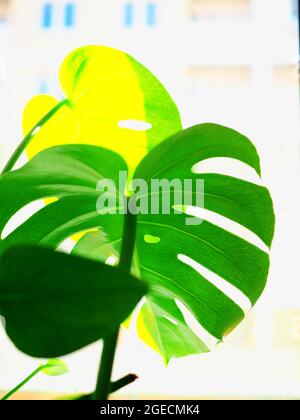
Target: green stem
x=24, y=143
x=110, y=343
x=121, y=383
x=106, y=366
x=114, y=387
x=21, y=384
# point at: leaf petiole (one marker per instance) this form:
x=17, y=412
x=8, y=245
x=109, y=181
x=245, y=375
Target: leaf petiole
x=24, y=143
x=109, y=344
x=54, y=367
x=21, y=384
x=114, y=386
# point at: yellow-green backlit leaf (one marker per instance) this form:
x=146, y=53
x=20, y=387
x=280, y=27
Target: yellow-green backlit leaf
x=115, y=102
x=55, y=367
x=62, y=128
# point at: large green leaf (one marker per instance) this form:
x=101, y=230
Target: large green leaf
x=72, y=172
x=162, y=239
x=236, y=261
x=108, y=90
x=69, y=175
x=55, y=304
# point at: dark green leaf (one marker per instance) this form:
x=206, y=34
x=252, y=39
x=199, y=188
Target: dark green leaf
x=70, y=174
x=55, y=304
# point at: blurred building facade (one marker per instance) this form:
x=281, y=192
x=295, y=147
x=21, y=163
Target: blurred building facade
x=194, y=45
x=233, y=62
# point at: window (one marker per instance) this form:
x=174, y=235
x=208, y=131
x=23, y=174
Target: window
x=219, y=9
x=286, y=74
x=294, y=6
x=43, y=86
x=47, y=16
x=69, y=15
x=147, y=13
x=4, y=10
x=203, y=76
x=128, y=14
x=151, y=14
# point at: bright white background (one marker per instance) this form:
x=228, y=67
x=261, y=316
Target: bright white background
x=232, y=62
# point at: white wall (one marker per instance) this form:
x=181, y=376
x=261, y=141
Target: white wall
x=264, y=107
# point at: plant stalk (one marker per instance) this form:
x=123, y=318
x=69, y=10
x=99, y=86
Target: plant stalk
x=24, y=143
x=110, y=343
x=121, y=383
x=114, y=387
x=21, y=384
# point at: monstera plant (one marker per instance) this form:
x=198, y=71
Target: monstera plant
x=118, y=118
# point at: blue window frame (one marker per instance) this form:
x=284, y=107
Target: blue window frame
x=151, y=14
x=70, y=13
x=43, y=86
x=295, y=6
x=47, y=15
x=128, y=14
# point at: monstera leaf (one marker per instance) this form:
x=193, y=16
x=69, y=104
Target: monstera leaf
x=179, y=260
x=67, y=176
x=177, y=263
x=112, y=101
